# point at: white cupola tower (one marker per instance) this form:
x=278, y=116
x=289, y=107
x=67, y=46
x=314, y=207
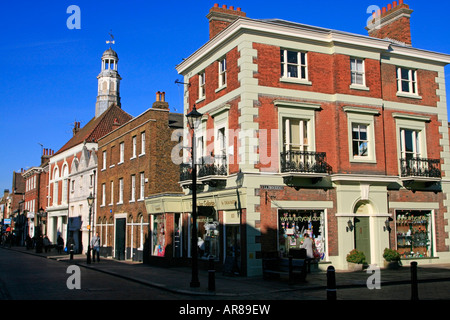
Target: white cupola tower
x=108, y=83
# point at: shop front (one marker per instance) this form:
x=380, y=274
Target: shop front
x=414, y=233
x=295, y=225
x=219, y=229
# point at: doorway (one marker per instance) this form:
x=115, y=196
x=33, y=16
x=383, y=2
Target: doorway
x=362, y=236
x=233, y=247
x=120, y=238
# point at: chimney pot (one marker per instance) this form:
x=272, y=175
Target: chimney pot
x=238, y=9
x=158, y=96
x=394, y=4
x=224, y=6
x=216, y=5
x=231, y=8
x=384, y=10
x=400, y=2
x=389, y=7
x=163, y=96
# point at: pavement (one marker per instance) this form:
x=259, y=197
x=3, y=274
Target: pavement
x=177, y=279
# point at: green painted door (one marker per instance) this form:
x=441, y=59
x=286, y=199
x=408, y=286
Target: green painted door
x=120, y=239
x=362, y=236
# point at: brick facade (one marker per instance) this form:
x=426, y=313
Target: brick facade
x=350, y=192
x=153, y=162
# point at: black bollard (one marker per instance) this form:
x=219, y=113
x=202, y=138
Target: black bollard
x=414, y=284
x=71, y=252
x=211, y=275
x=331, y=284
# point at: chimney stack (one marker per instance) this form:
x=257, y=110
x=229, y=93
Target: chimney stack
x=76, y=128
x=160, y=102
x=392, y=23
x=46, y=154
x=220, y=18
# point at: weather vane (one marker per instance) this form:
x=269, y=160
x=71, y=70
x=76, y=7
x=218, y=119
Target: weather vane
x=111, y=41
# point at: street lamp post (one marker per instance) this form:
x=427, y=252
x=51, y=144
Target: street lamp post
x=193, y=119
x=90, y=201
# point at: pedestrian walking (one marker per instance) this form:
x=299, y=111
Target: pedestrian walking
x=60, y=244
x=47, y=244
x=95, y=244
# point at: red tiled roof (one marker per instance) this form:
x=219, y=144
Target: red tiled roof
x=98, y=127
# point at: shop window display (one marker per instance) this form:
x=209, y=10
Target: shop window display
x=294, y=224
x=159, y=242
x=413, y=234
x=208, y=233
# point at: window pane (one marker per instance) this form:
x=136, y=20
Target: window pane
x=405, y=86
x=352, y=64
x=292, y=57
x=303, y=57
x=359, y=66
x=359, y=79
x=295, y=132
x=292, y=71
x=303, y=72
x=409, y=141
x=363, y=150
x=405, y=74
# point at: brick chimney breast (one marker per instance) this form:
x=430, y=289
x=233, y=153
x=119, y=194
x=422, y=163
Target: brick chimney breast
x=220, y=18
x=392, y=23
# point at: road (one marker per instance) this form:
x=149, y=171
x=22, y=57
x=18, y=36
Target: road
x=27, y=277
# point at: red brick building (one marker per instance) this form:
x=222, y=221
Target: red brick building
x=36, y=191
x=135, y=161
x=341, y=136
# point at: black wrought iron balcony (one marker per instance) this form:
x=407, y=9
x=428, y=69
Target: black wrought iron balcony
x=419, y=167
x=213, y=166
x=304, y=162
x=185, y=172
x=208, y=166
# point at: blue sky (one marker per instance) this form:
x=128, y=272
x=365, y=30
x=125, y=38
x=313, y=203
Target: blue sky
x=48, y=76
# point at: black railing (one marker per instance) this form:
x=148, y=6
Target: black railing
x=208, y=166
x=213, y=166
x=419, y=167
x=304, y=162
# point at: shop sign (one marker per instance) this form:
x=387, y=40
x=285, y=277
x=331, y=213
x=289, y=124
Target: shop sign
x=268, y=187
x=7, y=221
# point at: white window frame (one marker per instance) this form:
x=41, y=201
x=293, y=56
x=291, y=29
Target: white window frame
x=302, y=133
x=413, y=123
x=121, y=152
x=112, y=193
x=104, y=160
x=142, y=143
x=354, y=73
x=412, y=81
x=103, y=194
x=201, y=85
x=295, y=110
x=133, y=188
x=222, y=72
x=120, y=191
x=284, y=65
x=362, y=116
x=134, y=146
x=141, y=186
x=360, y=128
